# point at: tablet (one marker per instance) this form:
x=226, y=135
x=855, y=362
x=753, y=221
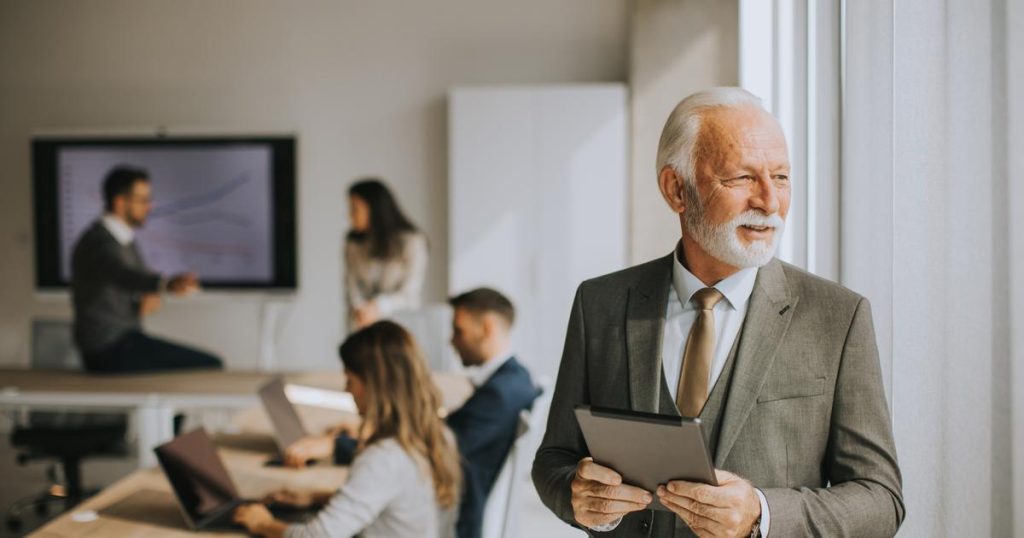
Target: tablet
x=647, y=449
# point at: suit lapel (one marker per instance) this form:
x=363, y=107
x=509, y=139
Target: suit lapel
x=768, y=315
x=645, y=324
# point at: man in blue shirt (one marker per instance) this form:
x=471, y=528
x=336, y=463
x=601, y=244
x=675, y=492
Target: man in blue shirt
x=486, y=425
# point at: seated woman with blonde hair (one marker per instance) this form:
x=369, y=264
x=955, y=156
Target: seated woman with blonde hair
x=404, y=481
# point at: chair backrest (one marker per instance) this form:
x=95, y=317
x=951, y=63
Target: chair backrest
x=53, y=347
x=43, y=434
x=431, y=326
x=503, y=502
x=499, y=501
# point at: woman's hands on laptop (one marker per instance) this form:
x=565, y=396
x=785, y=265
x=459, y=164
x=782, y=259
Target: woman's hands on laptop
x=298, y=499
x=259, y=521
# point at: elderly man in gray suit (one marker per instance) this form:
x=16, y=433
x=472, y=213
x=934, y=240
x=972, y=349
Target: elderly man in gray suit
x=780, y=366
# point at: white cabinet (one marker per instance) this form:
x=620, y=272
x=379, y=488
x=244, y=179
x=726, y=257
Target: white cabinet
x=537, y=200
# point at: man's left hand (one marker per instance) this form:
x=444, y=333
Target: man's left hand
x=729, y=509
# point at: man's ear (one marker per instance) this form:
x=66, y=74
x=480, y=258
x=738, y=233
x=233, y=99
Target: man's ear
x=488, y=323
x=118, y=203
x=671, y=185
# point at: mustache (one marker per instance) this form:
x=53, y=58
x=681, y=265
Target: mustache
x=756, y=218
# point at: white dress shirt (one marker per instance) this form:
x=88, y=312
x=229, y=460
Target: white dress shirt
x=478, y=375
x=124, y=235
x=681, y=313
x=118, y=228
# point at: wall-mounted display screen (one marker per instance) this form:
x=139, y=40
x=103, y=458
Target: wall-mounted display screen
x=222, y=207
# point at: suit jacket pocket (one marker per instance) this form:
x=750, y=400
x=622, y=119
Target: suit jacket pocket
x=792, y=389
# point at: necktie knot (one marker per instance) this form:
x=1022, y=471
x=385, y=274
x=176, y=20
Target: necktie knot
x=707, y=298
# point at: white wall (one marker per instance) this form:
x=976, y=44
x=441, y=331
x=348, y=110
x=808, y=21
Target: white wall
x=363, y=84
x=931, y=224
x=677, y=47
x=538, y=201
x=1010, y=416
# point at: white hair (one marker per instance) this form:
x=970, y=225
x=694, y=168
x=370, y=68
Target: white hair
x=682, y=129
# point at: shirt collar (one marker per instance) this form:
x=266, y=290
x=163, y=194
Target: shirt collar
x=478, y=375
x=118, y=228
x=736, y=288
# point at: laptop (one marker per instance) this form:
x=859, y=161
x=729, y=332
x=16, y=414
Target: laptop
x=204, y=490
x=284, y=418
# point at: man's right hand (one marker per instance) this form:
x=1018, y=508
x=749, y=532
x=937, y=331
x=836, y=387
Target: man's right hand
x=149, y=303
x=599, y=497
x=183, y=284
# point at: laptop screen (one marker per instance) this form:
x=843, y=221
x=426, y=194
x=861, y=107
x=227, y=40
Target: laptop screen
x=288, y=426
x=196, y=474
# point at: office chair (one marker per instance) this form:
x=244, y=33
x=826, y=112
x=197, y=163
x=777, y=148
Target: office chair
x=63, y=437
x=502, y=505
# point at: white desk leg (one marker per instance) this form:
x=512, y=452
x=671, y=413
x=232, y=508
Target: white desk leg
x=154, y=424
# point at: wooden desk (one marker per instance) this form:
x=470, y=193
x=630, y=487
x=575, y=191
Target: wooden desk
x=142, y=504
x=153, y=399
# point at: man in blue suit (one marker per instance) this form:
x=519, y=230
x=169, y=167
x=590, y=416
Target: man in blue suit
x=485, y=426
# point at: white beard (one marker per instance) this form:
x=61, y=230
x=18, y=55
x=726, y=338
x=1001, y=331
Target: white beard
x=722, y=241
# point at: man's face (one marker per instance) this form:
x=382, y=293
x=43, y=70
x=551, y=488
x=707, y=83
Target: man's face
x=468, y=337
x=737, y=210
x=136, y=204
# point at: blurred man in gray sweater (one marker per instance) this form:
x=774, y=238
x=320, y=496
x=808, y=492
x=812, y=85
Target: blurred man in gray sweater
x=112, y=288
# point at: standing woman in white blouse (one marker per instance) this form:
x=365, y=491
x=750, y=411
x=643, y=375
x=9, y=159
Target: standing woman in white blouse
x=404, y=480
x=385, y=256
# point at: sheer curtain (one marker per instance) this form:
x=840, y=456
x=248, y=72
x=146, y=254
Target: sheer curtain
x=932, y=190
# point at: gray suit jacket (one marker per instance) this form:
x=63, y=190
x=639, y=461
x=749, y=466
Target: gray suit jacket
x=107, y=280
x=805, y=420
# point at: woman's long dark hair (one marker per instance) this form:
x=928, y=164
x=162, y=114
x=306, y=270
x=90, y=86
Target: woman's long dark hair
x=387, y=222
x=402, y=401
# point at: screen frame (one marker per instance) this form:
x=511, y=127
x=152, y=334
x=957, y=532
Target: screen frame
x=45, y=182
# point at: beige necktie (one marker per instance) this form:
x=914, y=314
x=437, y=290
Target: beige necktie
x=692, y=391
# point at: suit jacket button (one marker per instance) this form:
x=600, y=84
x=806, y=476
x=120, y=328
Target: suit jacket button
x=644, y=525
